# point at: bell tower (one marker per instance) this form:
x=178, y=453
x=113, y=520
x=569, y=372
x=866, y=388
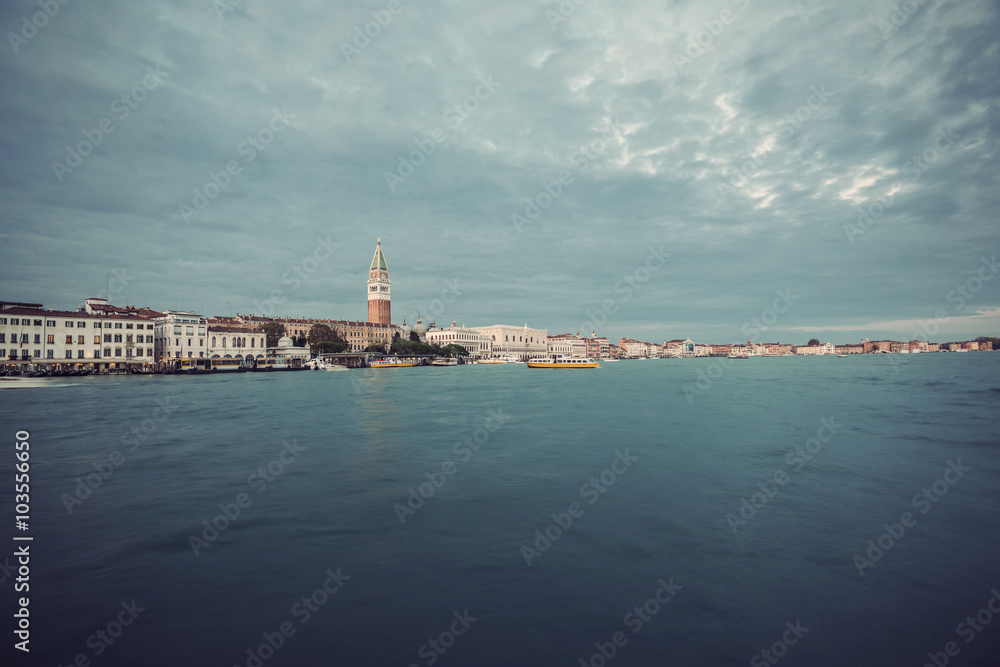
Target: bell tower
x=378, y=289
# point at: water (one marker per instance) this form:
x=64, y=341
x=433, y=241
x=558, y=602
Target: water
x=361, y=439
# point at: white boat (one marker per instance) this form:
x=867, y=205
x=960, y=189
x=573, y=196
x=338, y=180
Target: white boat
x=444, y=361
x=742, y=355
x=511, y=359
x=316, y=364
x=335, y=367
x=491, y=361
x=22, y=381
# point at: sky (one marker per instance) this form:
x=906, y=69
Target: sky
x=722, y=170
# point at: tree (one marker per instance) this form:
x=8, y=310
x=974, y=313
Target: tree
x=414, y=336
x=274, y=331
x=332, y=346
x=813, y=342
x=376, y=347
x=319, y=333
x=300, y=341
x=453, y=350
x=395, y=336
x=406, y=347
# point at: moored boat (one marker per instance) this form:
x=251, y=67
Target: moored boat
x=393, y=362
x=444, y=361
x=560, y=361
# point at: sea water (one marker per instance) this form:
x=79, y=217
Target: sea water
x=828, y=511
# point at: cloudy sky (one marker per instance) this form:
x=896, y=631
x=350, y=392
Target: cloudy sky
x=243, y=156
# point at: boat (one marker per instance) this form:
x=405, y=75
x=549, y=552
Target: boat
x=511, y=359
x=444, y=361
x=562, y=361
x=491, y=361
x=30, y=379
x=273, y=364
x=335, y=367
x=842, y=356
x=393, y=362
x=192, y=366
x=742, y=355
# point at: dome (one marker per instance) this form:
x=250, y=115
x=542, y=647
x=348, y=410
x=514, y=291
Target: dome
x=405, y=329
x=419, y=327
x=285, y=341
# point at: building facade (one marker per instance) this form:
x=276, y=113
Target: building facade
x=97, y=336
x=478, y=344
x=519, y=342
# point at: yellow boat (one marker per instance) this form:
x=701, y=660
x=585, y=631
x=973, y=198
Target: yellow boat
x=392, y=362
x=560, y=361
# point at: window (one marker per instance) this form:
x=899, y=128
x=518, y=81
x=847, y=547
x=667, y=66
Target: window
x=37, y=354
x=177, y=330
x=149, y=351
x=79, y=354
x=3, y=320
x=24, y=338
x=107, y=352
x=49, y=354
x=69, y=354
x=3, y=338
x=81, y=324
x=38, y=338
x=107, y=325
x=201, y=342
x=14, y=320
x=189, y=342
x=38, y=323
x=107, y=338
x=149, y=338
x=213, y=341
x=177, y=341
x=97, y=325
x=97, y=340
x=69, y=324
x=252, y=341
x=129, y=325
x=223, y=341
x=79, y=340
x=118, y=352
x=118, y=325
x=138, y=352
x=189, y=331
x=128, y=338
x=69, y=339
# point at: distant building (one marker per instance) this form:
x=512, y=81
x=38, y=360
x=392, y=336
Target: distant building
x=520, y=342
x=181, y=334
x=477, y=344
x=233, y=343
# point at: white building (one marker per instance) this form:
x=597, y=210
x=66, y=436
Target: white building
x=520, y=342
x=181, y=334
x=286, y=350
x=235, y=343
x=98, y=335
x=567, y=345
x=478, y=344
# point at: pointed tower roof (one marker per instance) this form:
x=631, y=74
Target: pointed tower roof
x=378, y=261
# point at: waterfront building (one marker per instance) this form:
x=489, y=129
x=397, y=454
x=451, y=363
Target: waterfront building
x=478, y=344
x=286, y=350
x=520, y=342
x=566, y=344
x=378, y=289
x=236, y=343
x=181, y=334
x=597, y=346
x=97, y=336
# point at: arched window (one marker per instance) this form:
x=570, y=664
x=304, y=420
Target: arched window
x=213, y=341
x=223, y=341
x=252, y=341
